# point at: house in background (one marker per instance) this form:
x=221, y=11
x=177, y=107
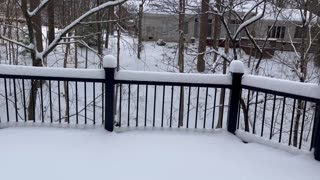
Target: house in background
x=165, y=26
x=161, y=22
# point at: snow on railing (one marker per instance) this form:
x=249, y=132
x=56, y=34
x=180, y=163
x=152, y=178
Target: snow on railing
x=125, y=75
x=310, y=90
x=51, y=72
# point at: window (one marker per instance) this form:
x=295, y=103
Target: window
x=196, y=28
x=186, y=28
x=277, y=32
x=298, y=32
x=234, y=21
x=210, y=30
x=233, y=27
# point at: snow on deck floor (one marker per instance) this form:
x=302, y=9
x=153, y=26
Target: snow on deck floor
x=58, y=154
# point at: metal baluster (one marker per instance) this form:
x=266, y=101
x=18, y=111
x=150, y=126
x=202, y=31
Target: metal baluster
x=214, y=107
x=154, y=105
x=292, y=118
x=163, y=101
x=146, y=107
x=272, y=118
x=94, y=102
x=50, y=101
x=282, y=118
x=255, y=113
x=172, y=88
x=197, y=107
x=24, y=101
x=6, y=96
x=129, y=94
x=41, y=100
x=264, y=113
x=137, y=113
x=302, y=125
x=15, y=98
x=205, y=109
x=188, y=113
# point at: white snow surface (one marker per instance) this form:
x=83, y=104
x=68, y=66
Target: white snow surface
x=292, y=87
x=52, y=72
x=53, y=153
x=236, y=66
x=173, y=77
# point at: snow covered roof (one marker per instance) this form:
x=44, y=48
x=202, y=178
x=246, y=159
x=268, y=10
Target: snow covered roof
x=165, y=7
x=273, y=12
x=170, y=7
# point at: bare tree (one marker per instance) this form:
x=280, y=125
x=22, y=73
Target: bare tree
x=203, y=35
x=38, y=53
x=182, y=10
x=140, y=16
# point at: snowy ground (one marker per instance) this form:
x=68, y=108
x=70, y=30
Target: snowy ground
x=51, y=153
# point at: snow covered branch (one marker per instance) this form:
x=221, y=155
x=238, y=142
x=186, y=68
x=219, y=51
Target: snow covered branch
x=250, y=21
x=68, y=28
x=30, y=47
x=39, y=8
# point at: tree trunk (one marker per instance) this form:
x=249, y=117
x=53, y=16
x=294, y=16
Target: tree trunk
x=34, y=26
x=99, y=29
x=118, y=38
x=223, y=91
x=203, y=35
x=111, y=15
x=140, y=30
x=181, y=56
x=303, y=73
x=216, y=32
x=297, y=124
x=51, y=32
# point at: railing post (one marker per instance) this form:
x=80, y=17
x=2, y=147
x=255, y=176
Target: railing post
x=316, y=144
x=109, y=65
x=237, y=71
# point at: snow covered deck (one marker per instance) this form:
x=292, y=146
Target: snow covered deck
x=59, y=153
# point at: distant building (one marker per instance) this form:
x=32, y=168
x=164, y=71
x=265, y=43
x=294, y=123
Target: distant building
x=161, y=23
x=165, y=26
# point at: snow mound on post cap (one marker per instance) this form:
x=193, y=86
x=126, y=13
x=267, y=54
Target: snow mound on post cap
x=236, y=66
x=109, y=61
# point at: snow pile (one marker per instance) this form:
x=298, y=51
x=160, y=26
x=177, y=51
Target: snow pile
x=52, y=154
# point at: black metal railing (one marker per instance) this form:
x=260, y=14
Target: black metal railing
x=164, y=100
x=47, y=99
x=283, y=118
x=149, y=104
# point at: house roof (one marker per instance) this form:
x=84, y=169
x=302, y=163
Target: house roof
x=171, y=7
x=273, y=12
x=164, y=7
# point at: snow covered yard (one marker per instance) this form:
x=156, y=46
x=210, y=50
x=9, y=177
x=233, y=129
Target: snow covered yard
x=59, y=153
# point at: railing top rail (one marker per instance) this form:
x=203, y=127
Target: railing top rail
x=175, y=79
x=44, y=73
x=292, y=89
